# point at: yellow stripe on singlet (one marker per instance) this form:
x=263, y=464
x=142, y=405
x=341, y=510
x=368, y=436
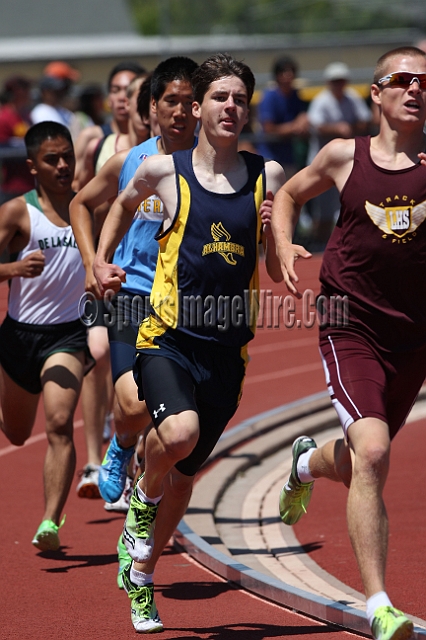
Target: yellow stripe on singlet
x=165, y=289
x=259, y=196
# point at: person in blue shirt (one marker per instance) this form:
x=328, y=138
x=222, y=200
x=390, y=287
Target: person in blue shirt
x=282, y=114
x=171, y=105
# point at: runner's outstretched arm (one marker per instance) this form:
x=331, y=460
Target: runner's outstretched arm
x=102, y=188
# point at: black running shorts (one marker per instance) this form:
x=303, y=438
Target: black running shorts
x=25, y=348
x=187, y=373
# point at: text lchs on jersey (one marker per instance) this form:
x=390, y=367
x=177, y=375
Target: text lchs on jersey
x=400, y=221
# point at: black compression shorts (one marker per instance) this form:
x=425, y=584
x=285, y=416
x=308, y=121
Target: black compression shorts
x=187, y=373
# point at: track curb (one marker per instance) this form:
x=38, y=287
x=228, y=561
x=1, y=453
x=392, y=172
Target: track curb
x=315, y=406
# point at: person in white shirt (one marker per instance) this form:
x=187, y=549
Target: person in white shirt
x=54, y=86
x=43, y=342
x=338, y=111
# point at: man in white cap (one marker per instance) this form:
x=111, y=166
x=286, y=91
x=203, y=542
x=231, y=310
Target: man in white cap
x=338, y=111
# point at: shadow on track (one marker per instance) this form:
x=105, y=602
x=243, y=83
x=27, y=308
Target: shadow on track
x=253, y=632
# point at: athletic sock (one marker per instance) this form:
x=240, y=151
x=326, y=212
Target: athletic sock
x=303, y=467
x=140, y=578
x=379, y=599
x=144, y=498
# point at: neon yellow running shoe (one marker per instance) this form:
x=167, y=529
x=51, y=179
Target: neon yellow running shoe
x=46, y=537
x=295, y=495
x=138, y=531
x=144, y=612
x=391, y=624
x=123, y=561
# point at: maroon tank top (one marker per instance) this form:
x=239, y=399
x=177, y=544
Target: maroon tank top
x=377, y=253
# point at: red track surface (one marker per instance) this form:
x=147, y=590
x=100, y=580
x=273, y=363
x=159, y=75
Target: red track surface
x=73, y=594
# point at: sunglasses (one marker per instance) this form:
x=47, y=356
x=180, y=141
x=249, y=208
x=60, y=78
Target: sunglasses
x=403, y=79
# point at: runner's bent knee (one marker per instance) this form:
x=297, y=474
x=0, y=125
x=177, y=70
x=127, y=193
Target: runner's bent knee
x=179, y=434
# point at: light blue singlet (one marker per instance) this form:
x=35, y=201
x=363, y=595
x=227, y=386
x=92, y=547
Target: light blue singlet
x=138, y=250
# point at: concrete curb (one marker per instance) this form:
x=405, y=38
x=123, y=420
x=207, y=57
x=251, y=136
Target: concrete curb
x=310, y=415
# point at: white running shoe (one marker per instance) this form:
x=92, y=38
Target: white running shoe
x=88, y=487
x=123, y=503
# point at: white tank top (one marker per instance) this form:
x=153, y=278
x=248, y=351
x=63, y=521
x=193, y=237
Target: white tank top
x=52, y=297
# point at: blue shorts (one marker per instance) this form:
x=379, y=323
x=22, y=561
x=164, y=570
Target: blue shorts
x=123, y=314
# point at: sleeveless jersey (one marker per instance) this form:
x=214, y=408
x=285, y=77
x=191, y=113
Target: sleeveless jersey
x=377, y=253
x=206, y=281
x=53, y=296
x=137, y=252
x=106, y=148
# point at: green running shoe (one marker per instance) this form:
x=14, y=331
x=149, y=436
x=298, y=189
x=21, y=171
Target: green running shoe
x=144, y=613
x=123, y=561
x=295, y=496
x=138, y=532
x=391, y=624
x=46, y=537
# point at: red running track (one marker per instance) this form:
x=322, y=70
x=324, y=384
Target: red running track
x=73, y=594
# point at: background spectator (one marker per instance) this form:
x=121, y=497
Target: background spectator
x=14, y=123
x=282, y=115
x=338, y=111
x=54, y=86
x=89, y=110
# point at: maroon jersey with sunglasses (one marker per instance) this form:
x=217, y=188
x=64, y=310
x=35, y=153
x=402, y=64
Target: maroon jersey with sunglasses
x=377, y=254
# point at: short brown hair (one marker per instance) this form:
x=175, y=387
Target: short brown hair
x=413, y=52
x=220, y=65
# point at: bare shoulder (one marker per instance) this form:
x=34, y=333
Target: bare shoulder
x=14, y=225
x=92, y=145
x=335, y=161
x=113, y=165
x=275, y=176
x=337, y=151
x=104, y=185
x=88, y=134
x=155, y=167
x=13, y=212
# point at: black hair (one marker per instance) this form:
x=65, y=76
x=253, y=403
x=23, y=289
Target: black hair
x=221, y=65
x=143, y=100
x=133, y=67
x=42, y=131
x=175, y=68
x=283, y=64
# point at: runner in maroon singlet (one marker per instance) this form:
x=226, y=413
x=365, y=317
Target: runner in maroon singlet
x=374, y=346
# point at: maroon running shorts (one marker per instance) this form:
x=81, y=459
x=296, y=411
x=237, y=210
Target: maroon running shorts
x=366, y=382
